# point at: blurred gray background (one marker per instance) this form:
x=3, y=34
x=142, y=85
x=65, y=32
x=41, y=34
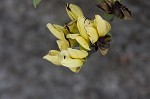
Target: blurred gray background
x=24, y=39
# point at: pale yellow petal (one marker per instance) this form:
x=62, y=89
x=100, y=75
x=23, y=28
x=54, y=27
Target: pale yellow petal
x=72, y=63
x=58, y=27
x=63, y=55
x=83, y=42
x=53, y=52
x=80, y=54
x=70, y=14
x=92, y=34
x=74, y=11
x=75, y=70
x=89, y=22
x=108, y=26
x=102, y=26
x=72, y=36
x=81, y=27
x=71, y=27
x=55, y=31
x=62, y=44
x=52, y=59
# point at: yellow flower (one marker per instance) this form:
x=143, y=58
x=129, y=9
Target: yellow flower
x=102, y=26
x=72, y=63
x=73, y=11
x=92, y=34
x=52, y=56
x=80, y=54
x=74, y=59
x=87, y=29
x=56, y=30
x=71, y=58
x=71, y=27
x=79, y=33
x=81, y=26
x=80, y=40
x=63, y=44
x=83, y=42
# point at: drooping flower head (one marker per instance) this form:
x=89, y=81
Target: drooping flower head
x=76, y=38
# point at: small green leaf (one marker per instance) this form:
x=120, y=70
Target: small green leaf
x=36, y=2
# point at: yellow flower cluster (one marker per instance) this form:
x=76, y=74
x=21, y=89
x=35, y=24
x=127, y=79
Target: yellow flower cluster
x=74, y=39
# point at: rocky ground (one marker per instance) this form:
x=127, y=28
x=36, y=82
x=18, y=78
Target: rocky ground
x=24, y=39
